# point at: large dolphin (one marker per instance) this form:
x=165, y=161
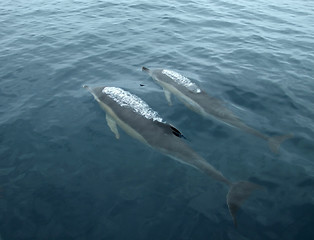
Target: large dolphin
x=209, y=107
x=137, y=119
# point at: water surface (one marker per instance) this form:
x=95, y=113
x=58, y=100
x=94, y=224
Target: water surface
x=63, y=175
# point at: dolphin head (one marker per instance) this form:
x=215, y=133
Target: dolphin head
x=145, y=69
x=156, y=74
x=150, y=72
x=97, y=92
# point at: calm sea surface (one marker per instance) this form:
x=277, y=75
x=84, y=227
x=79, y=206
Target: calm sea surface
x=63, y=175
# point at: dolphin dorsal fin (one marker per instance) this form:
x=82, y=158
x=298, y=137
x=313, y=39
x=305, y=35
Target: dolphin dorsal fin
x=176, y=132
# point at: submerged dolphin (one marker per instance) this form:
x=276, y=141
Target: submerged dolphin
x=209, y=107
x=137, y=119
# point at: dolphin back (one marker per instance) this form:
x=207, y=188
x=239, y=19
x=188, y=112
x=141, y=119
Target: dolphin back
x=172, y=78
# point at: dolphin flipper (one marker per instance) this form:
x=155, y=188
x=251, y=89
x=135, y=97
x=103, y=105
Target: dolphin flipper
x=112, y=125
x=168, y=96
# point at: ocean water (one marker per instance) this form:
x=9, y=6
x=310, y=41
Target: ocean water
x=63, y=175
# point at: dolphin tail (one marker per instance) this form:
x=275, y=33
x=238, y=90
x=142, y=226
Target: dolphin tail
x=145, y=69
x=237, y=194
x=275, y=141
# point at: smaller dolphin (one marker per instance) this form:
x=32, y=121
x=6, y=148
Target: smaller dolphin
x=200, y=102
x=138, y=120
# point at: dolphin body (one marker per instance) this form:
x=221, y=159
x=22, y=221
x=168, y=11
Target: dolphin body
x=200, y=102
x=137, y=119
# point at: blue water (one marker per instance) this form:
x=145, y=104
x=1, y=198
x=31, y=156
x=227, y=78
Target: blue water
x=63, y=175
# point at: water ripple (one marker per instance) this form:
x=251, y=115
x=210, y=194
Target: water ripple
x=57, y=155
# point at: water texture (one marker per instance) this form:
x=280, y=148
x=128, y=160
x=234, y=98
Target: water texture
x=63, y=175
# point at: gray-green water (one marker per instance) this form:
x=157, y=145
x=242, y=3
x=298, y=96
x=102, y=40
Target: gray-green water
x=63, y=175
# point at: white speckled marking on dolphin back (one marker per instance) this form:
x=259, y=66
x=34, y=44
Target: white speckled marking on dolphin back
x=178, y=78
x=126, y=99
